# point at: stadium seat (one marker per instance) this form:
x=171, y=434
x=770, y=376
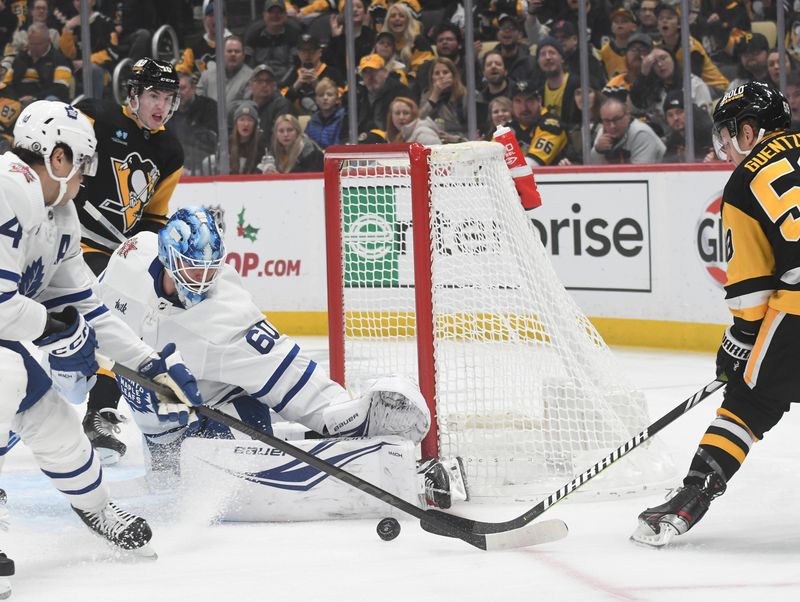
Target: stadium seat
x=768, y=29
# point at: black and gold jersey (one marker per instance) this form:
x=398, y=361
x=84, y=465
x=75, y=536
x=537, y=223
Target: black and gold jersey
x=544, y=141
x=137, y=172
x=761, y=223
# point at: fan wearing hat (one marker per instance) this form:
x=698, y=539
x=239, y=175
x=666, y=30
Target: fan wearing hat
x=375, y=92
x=237, y=74
x=196, y=57
x=751, y=52
x=675, y=140
x=639, y=46
x=265, y=94
x=566, y=32
x=248, y=142
x=274, y=39
x=669, y=27
x=521, y=66
x=541, y=136
x=387, y=50
x=720, y=23
x=299, y=84
x=559, y=86
x=612, y=53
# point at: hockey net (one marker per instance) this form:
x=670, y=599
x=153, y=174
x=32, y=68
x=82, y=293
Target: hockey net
x=435, y=271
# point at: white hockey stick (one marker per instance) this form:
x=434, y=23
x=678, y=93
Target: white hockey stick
x=434, y=521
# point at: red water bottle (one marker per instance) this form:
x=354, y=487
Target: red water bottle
x=521, y=172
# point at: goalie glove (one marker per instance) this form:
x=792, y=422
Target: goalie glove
x=167, y=368
x=734, y=352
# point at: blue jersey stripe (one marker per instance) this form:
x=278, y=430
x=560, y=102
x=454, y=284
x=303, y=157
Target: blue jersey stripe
x=278, y=373
x=87, y=489
x=74, y=473
x=7, y=296
x=95, y=312
x=68, y=299
x=300, y=384
x=7, y=275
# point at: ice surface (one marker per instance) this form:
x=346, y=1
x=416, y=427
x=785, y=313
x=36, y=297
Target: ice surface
x=748, y=546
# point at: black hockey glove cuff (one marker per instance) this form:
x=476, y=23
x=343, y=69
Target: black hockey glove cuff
x=734, y=352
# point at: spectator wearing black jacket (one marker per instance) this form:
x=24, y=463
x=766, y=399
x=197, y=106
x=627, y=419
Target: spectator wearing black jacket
x=298, y=85
x=39, y=73
x=521, y=66
x=566, y=32
x=103, y=40
x=270, y=102
x=449, y=44
x=335, y=53
x=374, y=93
x=273, y=40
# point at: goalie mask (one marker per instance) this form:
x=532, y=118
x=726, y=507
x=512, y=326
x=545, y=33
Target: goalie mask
x=152, y=74
x=753, y=100
x=43, y=125
x=191, y=249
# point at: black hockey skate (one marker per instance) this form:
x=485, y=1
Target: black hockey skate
x=444, y=482
x=102, y=428
x=123, y=529
x=657, y=526
x=6, y=564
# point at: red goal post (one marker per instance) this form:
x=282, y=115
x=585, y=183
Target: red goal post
x=435, y=271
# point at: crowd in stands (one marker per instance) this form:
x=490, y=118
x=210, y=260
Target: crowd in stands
x=286, y=87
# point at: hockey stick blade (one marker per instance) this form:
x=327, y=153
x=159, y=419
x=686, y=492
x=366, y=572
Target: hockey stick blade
x=433, y=521
x=581, y=479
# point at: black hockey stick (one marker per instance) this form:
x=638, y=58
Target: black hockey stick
x=578, y=481
x=436, y=522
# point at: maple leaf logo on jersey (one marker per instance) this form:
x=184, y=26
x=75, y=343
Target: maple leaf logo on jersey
x=246, y=230
x=136, y=180
x=31, y=280
x=24, y=170
x=128, y=246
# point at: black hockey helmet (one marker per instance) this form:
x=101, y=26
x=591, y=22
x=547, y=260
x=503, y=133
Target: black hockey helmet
x=153, y=74
x=753, y=100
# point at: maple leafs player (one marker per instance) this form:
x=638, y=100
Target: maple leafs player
x=175, y=286
x=48, y=308
x=759, y=354
x=138, y=168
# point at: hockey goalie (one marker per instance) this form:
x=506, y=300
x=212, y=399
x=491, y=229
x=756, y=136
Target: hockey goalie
x=174, y=287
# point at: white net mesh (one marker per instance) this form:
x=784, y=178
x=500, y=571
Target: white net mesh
x=527, y=393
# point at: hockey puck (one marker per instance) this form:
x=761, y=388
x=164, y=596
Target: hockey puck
x=388, y=529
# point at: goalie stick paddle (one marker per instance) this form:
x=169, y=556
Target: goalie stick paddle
x=433, y=521
x=581, y=479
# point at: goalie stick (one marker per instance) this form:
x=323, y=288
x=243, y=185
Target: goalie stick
x=580, y=480
x=433, y=521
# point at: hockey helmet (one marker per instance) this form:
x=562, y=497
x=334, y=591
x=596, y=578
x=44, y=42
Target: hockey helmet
x=45, y=124
x=191, y=249
x=753, y=100
x=153, y=74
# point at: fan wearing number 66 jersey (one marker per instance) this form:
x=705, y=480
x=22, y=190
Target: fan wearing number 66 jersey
x=174, y=287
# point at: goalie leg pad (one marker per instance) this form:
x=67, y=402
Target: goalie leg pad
x=391, y=406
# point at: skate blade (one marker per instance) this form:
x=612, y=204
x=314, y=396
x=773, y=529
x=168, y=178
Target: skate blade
x=146, y=552
x=5, y=588
x=644, y=535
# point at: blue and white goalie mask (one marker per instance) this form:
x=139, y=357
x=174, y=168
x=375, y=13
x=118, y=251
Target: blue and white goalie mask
x=190, y=247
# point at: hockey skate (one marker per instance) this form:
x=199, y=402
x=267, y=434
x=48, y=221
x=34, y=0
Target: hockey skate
x=123, y=529
x=102, y=428
x=657, y=526
x=6, y=564
x=444, y=482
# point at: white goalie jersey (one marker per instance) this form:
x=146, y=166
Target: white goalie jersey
x=45, y=271
x=225, y=341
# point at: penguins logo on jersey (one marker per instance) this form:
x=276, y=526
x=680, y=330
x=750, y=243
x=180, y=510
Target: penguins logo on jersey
x=136, y=179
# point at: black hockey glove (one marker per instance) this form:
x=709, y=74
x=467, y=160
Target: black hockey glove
x=734, y=352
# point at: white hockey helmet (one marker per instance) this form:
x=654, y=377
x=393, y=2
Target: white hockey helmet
x=45, y=124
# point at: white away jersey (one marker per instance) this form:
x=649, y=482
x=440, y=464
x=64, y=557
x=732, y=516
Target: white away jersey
x=42, y=268
x=224, y=340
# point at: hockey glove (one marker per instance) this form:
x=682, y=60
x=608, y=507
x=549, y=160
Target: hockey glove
x=70, y=343
x=167, y=368
x=733, y=353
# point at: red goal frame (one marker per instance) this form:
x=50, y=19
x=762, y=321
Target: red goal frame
x=417, y=155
